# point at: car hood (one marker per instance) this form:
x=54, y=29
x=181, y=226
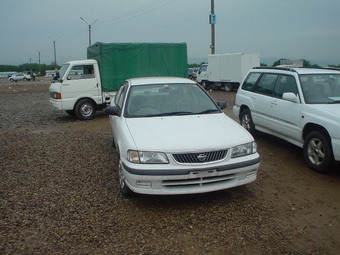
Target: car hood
x=187, y=133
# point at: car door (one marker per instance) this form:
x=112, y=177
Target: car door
x=262, y=112
x=286, y=114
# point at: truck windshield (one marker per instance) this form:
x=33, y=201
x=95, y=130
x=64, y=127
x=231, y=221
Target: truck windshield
x=63, y=70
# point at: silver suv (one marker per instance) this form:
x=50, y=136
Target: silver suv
x=299, y=105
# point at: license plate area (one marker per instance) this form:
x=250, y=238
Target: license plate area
x=205, y=173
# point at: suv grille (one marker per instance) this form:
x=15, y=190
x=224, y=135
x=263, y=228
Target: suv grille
x=200, y=157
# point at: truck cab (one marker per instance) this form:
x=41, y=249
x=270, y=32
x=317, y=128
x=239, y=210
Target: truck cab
x=77, y=90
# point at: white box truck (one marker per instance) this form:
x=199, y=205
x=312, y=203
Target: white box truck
x=84, y=86
x=226, y=71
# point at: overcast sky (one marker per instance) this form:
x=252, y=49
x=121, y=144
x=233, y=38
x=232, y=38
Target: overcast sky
x=291, y=29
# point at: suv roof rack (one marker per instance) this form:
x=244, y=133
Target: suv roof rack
x=276, y=68
x=293, y=69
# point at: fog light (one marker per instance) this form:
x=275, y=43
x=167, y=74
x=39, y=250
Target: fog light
x=144, y=184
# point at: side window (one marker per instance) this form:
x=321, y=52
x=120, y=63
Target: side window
x=81, y=72
x=119, y=98
x=266, y=84
x=250, y=81
x=285, y=83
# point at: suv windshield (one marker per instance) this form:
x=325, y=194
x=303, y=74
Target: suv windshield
x=320, y=88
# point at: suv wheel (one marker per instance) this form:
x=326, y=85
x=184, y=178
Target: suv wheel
x=317, y=152
x=247, y=121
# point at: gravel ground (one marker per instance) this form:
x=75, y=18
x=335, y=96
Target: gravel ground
x=59, y=195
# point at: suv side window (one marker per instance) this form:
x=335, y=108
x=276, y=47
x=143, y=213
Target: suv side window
x=266, y=84
x=250, y=81
x=285, y=83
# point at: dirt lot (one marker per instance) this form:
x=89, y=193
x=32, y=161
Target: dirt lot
x=59, y=194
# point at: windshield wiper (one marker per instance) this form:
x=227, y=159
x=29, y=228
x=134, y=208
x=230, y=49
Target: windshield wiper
x=169, y=114
x=209, y=111
x=335, y=102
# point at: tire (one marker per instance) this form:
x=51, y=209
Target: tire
x=124, y=189
x=247, y=121
x=228, y=87
x=11, y=80
x=70, y=112
x=317, y=152
x=204, y=84
x=85, y=109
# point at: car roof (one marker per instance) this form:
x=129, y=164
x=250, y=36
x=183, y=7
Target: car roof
x=158, y=80
x=298, y=70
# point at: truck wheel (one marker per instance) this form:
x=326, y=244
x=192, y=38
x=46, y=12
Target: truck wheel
x=317, y=152
x=124, y=189
x=247, y=121
x=204, y=84
x=228, y=87
x=11, y=79
x=85, y=109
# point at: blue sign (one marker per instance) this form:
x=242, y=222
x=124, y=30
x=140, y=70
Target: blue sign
x=212, y=19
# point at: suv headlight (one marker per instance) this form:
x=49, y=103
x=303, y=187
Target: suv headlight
x=147, y=157
x=244, y=149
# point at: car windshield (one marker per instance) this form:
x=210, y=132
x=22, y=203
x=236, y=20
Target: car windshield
x=168, y=100
x=321, y=88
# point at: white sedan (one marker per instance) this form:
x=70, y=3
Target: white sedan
x=172, y=138
x=20, y=77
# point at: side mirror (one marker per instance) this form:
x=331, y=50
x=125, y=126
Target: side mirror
x=222, y=104
x=112, y=110
x=290, y=96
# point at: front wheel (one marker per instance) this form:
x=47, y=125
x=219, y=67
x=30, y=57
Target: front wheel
x=205, y=84
x=317, y=152
x=85, y=109
x=247, y=121
x=124, y=189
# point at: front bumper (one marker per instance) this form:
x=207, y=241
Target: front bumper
x=190, y=180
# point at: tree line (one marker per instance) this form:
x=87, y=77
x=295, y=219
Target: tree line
x=36, y=68
x=41, y=68
x=306, y=63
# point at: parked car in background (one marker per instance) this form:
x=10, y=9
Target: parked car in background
x=20, y=77
x=299, y=105
x=159, y=131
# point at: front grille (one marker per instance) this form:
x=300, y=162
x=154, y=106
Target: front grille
x=200, y=157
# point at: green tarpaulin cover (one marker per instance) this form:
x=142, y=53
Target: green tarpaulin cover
x=120, y=61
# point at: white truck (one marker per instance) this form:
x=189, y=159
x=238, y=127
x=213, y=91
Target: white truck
x=84, y=86
x=226, y=71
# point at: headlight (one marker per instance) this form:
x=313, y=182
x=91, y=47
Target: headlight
x=147, y=157
x=244, y=149
x=55, y=95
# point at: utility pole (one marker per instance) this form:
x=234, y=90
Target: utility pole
x=39, y=54
x=90, y=25
x=55, y=53
x=212, y=21
x=30, y=59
